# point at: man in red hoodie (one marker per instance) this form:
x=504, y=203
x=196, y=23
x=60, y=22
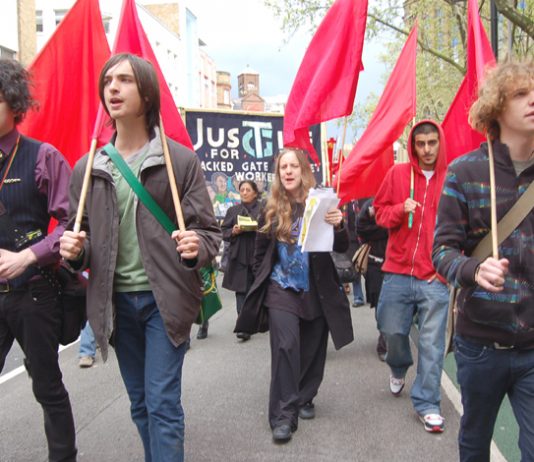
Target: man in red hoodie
x=406, y=205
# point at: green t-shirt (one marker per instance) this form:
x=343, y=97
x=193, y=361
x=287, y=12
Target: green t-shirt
x=130, y=275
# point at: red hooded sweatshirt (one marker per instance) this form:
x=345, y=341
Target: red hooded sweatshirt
x=409, y=250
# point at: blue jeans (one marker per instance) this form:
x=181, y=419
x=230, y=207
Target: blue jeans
x=151, y=368
x=485, y=376
x=401, y=298
x=87, y=342
x=357, y=291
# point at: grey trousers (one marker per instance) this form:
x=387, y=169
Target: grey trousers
x=298, y=356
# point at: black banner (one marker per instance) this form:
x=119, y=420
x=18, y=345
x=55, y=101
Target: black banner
x=237, y=146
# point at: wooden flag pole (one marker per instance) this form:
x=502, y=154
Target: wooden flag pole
x=85, y=185
x=412, y=188
x=88, y=169
x=412, y=194
x=341, y=156
x=493, y=201
x=172, y=180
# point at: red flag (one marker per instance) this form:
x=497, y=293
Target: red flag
x=365, y=167
x=479, y=52
x=131, y=38
x=65, y=77
x=461, y=138
x=326, y=81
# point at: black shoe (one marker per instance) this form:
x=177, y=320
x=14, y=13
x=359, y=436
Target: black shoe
x=281, y=433
x=307, y=411
x=243, y=336
x=381, y=347
x=202, y=332
x=357, y=304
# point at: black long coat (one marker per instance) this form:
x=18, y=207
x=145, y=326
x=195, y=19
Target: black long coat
x=238, y=272
x=377, y=237
x=369, y=231
x=325, y=288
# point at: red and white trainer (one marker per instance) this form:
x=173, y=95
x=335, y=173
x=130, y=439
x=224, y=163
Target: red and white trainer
x=433, y=423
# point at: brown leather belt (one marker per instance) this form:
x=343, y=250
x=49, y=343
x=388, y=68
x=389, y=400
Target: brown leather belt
x=7, y=287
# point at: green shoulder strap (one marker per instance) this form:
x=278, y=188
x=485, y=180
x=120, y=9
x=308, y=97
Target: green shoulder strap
x=143, y=195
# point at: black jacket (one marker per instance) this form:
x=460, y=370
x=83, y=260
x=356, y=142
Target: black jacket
x=241, y=247
x=325, y=289
x=369, y=232
x=463, y=220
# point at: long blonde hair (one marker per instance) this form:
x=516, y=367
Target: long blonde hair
x=278, y=207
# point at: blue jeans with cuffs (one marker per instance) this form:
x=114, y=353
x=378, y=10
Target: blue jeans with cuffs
x=403, y=297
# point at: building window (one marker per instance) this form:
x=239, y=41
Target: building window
x=60, y=14
x=38, y=20
x=7, y=53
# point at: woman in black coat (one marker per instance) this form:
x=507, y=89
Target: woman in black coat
x=296, y=295
x=377, y=237
x=238, y=275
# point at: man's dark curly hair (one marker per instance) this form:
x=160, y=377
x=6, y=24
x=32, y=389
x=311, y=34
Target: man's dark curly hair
x=15, y=88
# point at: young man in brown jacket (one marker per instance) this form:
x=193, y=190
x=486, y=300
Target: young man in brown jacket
x=144, y=288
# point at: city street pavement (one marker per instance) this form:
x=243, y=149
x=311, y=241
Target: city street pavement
x=225, y=393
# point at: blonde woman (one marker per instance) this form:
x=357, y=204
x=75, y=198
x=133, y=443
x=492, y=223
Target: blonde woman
x=300, y=295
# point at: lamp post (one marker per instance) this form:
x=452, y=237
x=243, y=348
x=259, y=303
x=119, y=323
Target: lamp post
x=494, y=21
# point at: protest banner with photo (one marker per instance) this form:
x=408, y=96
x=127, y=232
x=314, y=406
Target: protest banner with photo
x=236, y=146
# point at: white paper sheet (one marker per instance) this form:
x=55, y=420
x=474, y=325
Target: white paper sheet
x=316, y=235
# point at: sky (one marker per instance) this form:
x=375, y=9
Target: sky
x=241, y=33
x=245, y=32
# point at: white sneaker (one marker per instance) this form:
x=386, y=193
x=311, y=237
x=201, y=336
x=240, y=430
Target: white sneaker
x=395, y=385
x=86, y=361
x=433, y=423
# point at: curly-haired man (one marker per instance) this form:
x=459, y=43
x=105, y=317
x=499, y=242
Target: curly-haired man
x=494, y=345
x=34, y=180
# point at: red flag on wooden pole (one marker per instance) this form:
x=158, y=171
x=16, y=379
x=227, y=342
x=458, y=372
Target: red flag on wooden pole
x=461, y=138
x=65, y=76
x=326, y=81
x=131, y=38
x=372, y=156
